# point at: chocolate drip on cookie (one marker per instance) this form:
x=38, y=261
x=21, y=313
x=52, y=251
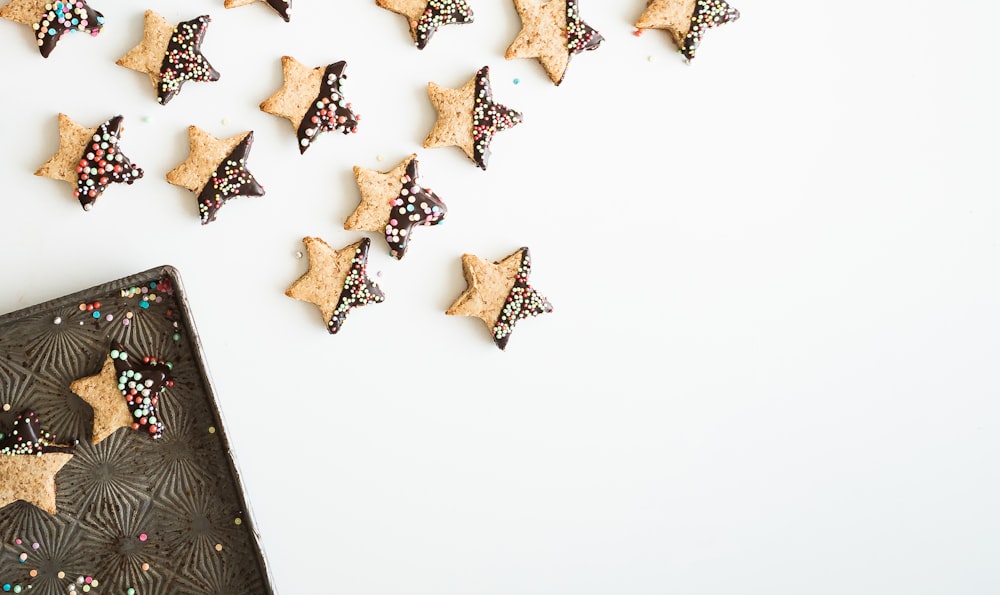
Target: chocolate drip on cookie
x=102, y=163
x=141, y=382
x=488, y=118
x=522, y=302
x=65, y=17
x=707, y=14
x=330, y=111
x=437, y=14
x=580, y=36
x=414, y=206
x=27, y=437
x=183, y=60
x=230, y=179
x=358, y=290
x=283, y=7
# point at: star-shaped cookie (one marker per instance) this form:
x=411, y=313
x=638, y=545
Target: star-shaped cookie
x=499, y=294
x=171, y=55
x=215, y=171
x=101, y=392
x=283, y=7
x=553, y=32
x=395, y=202
x=686, y=20
x=51, y=19
x=337, y=280
x=312, y=99
x=90, y=159
x=125, y=393
x=469, y=118
x=426, y=16
x=29, y=462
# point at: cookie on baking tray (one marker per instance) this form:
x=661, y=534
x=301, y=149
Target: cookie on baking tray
x=52, y=20
x=499, y=294
x=90, y=159
x=468, y=117
x=337, y=280
x=394, y=203
x=30, y=458
x=425, y=17
x=171, y=55
x=312, y=99
x=553, y=32
x=216, y=171
x=686, y=20
x=282, y=7
x=125, y=393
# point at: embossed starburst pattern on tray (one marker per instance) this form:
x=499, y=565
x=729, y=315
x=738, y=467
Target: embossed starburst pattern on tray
x=164, y=515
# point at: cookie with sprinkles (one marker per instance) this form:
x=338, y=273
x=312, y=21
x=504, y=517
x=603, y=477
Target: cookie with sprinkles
x=337, y=281
x=395, y=202
x=468, y=117
x=552, y=32
x=499, y=294
x=425, y=17
x=313, y=100
x=282, y=7
x=126, y=393
x=686, y=20
x=30, y=458
x=52, y=20
x=216, y=171
x=90, y=159
x=171, y=55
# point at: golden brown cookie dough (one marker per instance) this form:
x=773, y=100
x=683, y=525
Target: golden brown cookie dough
x=468, y=117
x=220, y=161
x=90, y=159
x=393, y=203
x=426, y=16
x=553, y=32
x=171, y=55
x=686, y=20
x=337, y=280
x=499, y=293
x=312, y=99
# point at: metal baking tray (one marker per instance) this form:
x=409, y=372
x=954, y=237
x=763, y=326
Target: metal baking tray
x=133, y=514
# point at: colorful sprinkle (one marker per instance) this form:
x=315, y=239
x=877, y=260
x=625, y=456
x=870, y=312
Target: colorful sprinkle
x=183, y=60
x=707, y=14
x=439, y=13
x=61, y=18
x=522, y=302
x=358, y=289
x=330, y=110
x=141, y=381
x=488, y=118
x=230, y=180
x=103, y=163
x=414, y=206
x=581, y=36
x=27, y=437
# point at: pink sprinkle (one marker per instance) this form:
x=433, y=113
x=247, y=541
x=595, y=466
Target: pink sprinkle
x=392, y=222
x=18, y=541
x=89, y=580
x=143, y=537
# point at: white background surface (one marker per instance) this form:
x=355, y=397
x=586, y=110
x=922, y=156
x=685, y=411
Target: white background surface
x=772, y=367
